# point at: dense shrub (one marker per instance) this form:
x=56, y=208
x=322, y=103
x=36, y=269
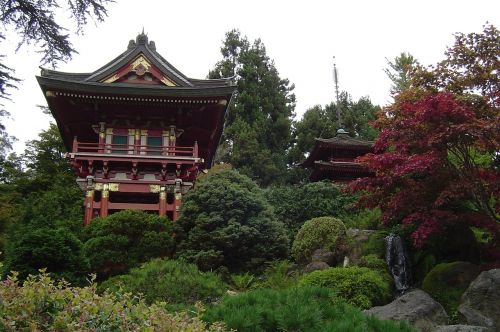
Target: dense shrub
x=446, y=283
x=295, y=309
x=40, y=304
x=318, y=233
x=363, y=219
x=127, y=238
x=170, y=281
x=57, y=250
x=293, y=205
x=375, y=245
x=359, y=286
x=373, y=262
x=228, y=223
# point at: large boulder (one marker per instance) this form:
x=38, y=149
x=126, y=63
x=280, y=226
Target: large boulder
x=416, y=307
x=314, y=266
x=323, y=255
x=446, y=283
x=481, y=301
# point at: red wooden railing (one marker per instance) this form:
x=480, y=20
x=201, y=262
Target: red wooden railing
x=132, y=149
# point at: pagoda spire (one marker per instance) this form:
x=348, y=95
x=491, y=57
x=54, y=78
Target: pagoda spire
x=338, y=107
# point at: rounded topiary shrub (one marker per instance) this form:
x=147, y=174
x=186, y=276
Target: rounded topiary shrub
x=175, y=282
x=228, y=223
x=446, y=283
x=359, y=286
x=318, y=233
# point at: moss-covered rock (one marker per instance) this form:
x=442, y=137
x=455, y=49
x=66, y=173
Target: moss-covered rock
x=446, y=283
x=319, y=233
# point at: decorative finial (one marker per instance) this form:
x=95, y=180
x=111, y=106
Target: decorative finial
x=336, y=80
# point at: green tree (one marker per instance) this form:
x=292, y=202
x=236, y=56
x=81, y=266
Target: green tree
x=127, y=238
x=400, y=71
x=228, y=223
x=57, y=250
x=259, y=119
x=322, y=122
x=35, y=22
x=293, y=205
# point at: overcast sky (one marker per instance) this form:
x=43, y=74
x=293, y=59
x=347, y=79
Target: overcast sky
x=301, y=37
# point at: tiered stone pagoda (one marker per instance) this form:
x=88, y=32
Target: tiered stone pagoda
x=334, y=158
x=137, y=130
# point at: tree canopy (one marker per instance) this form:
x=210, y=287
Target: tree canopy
x=260, y=115
x=436, y=159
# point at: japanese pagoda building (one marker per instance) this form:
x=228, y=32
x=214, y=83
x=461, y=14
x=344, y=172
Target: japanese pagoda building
x=137, y=130
x=335, y=158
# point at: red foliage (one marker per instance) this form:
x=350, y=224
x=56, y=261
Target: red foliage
x=426, y=166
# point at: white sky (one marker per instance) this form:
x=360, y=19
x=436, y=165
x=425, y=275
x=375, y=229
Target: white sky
x=301, y=37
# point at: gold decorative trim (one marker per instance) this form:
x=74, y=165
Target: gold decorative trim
x=90, y=193
x=154, y=188
x=131, y=132
x=178, y=196
x=163, y=195
x=223, y=102
x=141, y=60
x=98, y=186
x=114, y=186
x=167, y=81
x=110, y=79
x=50, y=94
x=109, y=131
x=144, y=132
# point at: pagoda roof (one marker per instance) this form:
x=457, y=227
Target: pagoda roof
x=346, y=140
x=140, y=52
x=326, y=148
x=338, y=171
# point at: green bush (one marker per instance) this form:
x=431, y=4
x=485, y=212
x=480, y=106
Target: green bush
x=40, y=304
x=375, y=244
x=56, y=250
x=373, y=262
x=294, y=205
x=295, y=309
x=277, y=276
x=364, y=219
x=243, y=282
x=127, y=238
x=446, y=283
x=175, y=282
x=359, y=286
x=228, y=223
x=318, y=233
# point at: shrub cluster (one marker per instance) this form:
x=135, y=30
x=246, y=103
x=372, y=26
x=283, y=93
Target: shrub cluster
x=295, y=309
x=175, y=282
x=40, y=304
x=359, y=286
x=127, y=238
x=228, y=223
x=293, y=205
x=318, y=233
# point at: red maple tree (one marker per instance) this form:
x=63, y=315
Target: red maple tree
x=437, y=159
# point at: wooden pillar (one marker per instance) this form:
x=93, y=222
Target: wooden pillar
x=89, y=206
x=172, y=141
x=177, y=199
x=102, y=136
x=104, y=200
x=137, y=141
x=163, y=202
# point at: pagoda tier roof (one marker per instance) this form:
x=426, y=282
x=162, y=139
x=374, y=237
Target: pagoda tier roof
x=338, y=171
x=342, y=146
x=141, y=51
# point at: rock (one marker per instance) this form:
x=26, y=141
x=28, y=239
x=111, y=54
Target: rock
x=481, y=301
x=460, y=328
x=315, y=266
x=446, y=282
x=359, y=234
x=323, y=255
x=416, y=307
